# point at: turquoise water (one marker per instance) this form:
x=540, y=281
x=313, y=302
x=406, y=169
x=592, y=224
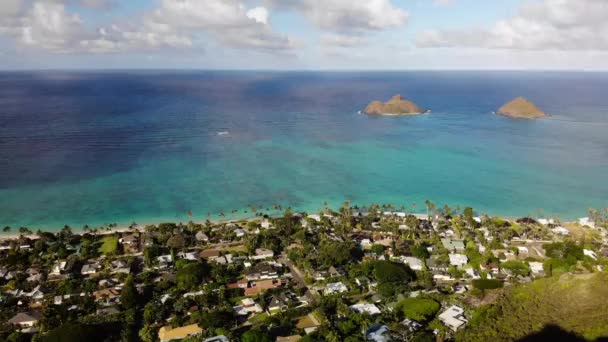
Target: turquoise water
x=94, y=148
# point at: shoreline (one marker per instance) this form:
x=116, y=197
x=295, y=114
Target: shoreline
x=123, y=228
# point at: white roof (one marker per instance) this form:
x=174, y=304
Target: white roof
x=452, y=317
x=458, y=259
x=366, y=308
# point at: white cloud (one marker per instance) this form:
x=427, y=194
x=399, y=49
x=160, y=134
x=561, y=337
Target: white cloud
x=259, y=14
x=348, y=16
x=547, y=25
x=174, y=23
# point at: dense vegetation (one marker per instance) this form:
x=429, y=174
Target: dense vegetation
x=576, y=303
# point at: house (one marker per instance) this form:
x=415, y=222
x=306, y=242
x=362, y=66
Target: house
x=60, y=267
x=166, y=334
x=191, y=256
x=411, y=325
x=590, y=253
x=315, y=217
x=248, y=306
x=522, y=250
x=262, y=253
x=308, y=323
x=292, y=338
x=164, y=260
x=107, y=297
x=88, y=269
x=278, y=303
x=266, y=224
x=545, y=221
x=434, y=265
x=536, y=267
x=414, y=263
x=201, y=237
x=490, y=267
x=239, y=232
x=219, y=338
x=338, y=287
x=453, y=245
x=129, y=239
x=241, y=284
x=585, y=221
x=25, y=319
x=262, y=271
x=458, y=259
x=256, y=287
x=453, y=317
x=377, y=333
x=560, y=231
x=210, y=254
x=370, y=309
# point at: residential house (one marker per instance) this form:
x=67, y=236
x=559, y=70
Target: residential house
x=201, y=237
x=166, y=334
x=278, y=303
x=89, y=269
x=370, y=309
x=411, y=325
x=338, y=287
x=308, y=323
x=292, y=338
x=414, y=263
x=107, y=297
x=239, y=232
x=536, y=268
x=453, y=317
x=560, y=231
x=453, y=245
x=262, y=253
x=210, y=254
x=219, y=338
x=262, y=271
x=458, y=259
x=191, y=256
x=590, y=253
x=25, y=319
x=260, y=286
x=378, y=333
x=248, y=306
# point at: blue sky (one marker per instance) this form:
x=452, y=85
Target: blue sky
x=304, y=34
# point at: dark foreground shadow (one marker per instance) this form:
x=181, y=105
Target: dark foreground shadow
x=555, y=333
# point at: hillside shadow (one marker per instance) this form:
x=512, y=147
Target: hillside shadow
x=555, y=333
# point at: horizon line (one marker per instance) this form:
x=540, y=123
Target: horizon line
x=296, y=70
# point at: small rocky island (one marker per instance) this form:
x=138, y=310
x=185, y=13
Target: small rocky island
x=397, y=105
x=521, y=108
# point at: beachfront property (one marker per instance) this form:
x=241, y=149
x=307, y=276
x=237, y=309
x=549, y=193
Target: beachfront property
x=260, y=282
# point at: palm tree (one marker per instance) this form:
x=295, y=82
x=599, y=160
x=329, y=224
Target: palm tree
x=6, y=229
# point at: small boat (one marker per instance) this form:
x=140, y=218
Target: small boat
x=222, y=133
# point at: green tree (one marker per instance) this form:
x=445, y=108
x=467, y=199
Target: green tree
x=255, y=335
x=378, y=249
x=128, y=296
x=190, y=275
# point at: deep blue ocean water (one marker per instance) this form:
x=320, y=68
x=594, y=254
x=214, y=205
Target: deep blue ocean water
x=91, y=148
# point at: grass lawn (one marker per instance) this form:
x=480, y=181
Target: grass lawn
x=109, y=245
x=258, y=318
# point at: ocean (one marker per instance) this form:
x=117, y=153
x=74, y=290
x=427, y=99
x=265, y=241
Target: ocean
x=93, y=148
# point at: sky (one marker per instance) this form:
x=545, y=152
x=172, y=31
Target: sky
x=304, y=34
